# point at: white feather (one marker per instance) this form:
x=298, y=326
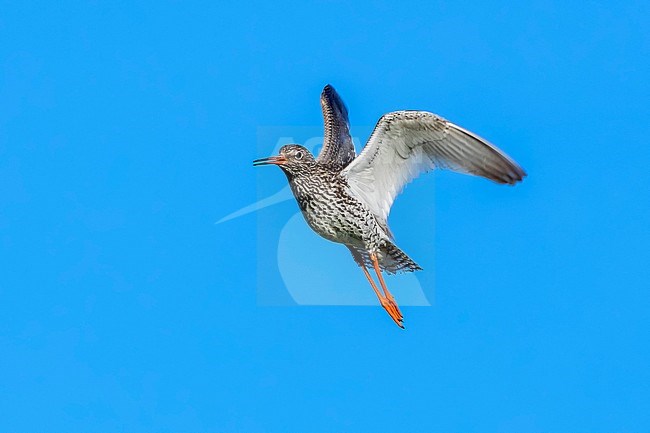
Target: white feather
x=405, y=144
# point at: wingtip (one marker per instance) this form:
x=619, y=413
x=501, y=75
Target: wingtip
x=330, y=99
x=329, y=93
x=519, y=176
x=512, y=176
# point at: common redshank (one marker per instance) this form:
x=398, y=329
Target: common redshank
x=347, y=198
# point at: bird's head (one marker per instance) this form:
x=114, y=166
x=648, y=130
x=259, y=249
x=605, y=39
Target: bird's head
x=293, y=159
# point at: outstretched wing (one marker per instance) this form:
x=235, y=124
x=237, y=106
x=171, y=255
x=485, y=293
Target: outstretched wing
x=338, y=149
x=405, y=144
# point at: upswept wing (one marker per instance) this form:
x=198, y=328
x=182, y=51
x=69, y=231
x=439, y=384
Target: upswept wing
x=338, y=149
x=405, y=144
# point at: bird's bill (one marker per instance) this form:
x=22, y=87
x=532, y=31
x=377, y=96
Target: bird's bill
x=275, y=160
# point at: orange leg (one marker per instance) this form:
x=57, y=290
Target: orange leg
x=389, y=297
x=390, y=307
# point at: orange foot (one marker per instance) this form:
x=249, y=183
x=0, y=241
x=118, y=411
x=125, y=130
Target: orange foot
x=393, y=304
x=393, y=311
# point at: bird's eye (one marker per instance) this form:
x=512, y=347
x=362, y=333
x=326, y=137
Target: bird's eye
x=299, y=154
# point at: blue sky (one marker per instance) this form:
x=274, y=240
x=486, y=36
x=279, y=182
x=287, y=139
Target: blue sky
x=128, y=129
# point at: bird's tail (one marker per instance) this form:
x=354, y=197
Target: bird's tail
x=391, y=259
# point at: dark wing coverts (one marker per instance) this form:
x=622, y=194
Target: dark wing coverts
x=338, y=149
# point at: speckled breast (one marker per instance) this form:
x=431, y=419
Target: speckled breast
x=332, y=213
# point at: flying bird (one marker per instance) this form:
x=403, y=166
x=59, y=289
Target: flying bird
x=347, y=198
